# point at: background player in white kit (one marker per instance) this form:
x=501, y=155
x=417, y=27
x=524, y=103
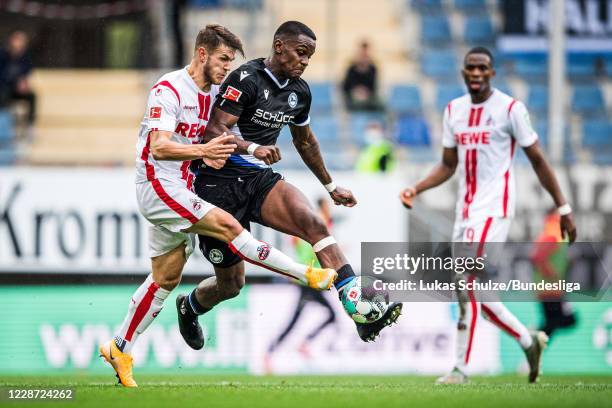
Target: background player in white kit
x=480, y=133
x=177, y=112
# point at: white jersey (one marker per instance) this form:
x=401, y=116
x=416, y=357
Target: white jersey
x=485, y=136
x=177, y=105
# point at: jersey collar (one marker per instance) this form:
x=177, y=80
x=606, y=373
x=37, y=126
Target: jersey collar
x=275, y=79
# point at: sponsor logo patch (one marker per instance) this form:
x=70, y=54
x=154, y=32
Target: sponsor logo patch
x=215, y=256
x=232, y=94
x=155, y=112
x=263, y=251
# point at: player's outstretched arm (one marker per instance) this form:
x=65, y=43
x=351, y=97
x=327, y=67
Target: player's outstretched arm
x=163, y=148
x=308, y=147
x=438, y=175
x=548, y=180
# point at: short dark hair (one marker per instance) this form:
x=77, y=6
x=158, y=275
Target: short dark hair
x=479, y=50
x=294, y=29
x=214, y=35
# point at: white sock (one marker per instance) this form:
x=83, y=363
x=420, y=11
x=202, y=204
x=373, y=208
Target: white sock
x=145, y=305
x=466, y=328
x=262, y=254
x=500, y=316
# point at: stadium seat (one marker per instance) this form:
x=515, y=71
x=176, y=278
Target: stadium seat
x=204, y=3
x=358, y=123
x=440, y=64
x=435, y=30
x=588, y=100
x=478, y=30
x=471, y=6
x=321, y=96
x=608, y=67
x=427, y=6
x=447, y=93
x=412, y=131
x=537, y=100
x=581, y=67
x=243, y=4
x=405, y=99
x=325, y=128
x=501, y=85
x=533, y=68
x=597, y=137
x=7, y=127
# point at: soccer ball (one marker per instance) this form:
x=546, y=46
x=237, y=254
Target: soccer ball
x=362, y=302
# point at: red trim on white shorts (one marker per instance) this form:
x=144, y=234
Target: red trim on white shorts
x=159, y=189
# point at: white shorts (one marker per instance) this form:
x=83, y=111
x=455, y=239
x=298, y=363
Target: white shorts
x=171, y=208
x=479, y=235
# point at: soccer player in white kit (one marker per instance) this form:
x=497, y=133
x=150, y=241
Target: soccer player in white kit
x=481, y=131
x=171, y=132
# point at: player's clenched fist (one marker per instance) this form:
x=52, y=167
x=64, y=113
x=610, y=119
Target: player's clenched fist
x=267, y=154
x=342, y=196
x=407, y=195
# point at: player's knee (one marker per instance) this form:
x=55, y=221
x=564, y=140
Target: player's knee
x=229, y=226
x=315, y=229
x=169, y=282
x=231, y=289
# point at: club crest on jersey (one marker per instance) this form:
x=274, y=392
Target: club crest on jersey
x=197, y=204
x=292, y=100
x=232, y=94
x=155, y=112
x=263, y=251
x=215, y=256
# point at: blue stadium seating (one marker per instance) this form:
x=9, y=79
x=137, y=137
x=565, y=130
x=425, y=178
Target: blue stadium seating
x=358, y=123
x=435, y=30
x=502, y=85
x=440, y=64
x=581, y=67
x=427, y=6
x=535, y=68
x=588, y=100
x=597, y=137
x=447, y=93
x=325, y=128
x=412, y=131
x=7, y=138
x=243, y=4
x=537, y=100
x=608, y=67
x=405, y=99
x=471, y=5
x=478, y=30
x=321, y=96
x=205, y=3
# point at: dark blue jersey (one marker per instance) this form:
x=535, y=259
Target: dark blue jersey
x=263, y=105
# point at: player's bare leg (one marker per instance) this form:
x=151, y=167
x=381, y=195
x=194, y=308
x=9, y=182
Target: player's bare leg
x=287, y=210
x=144, y=306
x=227, y=283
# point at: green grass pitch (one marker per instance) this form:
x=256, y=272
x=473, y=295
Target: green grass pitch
x=321, y=391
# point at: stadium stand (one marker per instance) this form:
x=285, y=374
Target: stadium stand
x=8, y=155
x=406, y=99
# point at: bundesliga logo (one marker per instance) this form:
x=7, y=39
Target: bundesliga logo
x=263, y=251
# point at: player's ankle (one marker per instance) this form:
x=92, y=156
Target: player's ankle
x=193, y=306
x=345, y=274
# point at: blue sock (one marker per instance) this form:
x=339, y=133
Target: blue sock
x=345, y=275
x=194, y=305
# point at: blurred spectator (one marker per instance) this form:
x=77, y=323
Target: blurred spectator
x=15, y=70
x=377, y=156
x=176, y=12
x=360, y=82
x=551, y=263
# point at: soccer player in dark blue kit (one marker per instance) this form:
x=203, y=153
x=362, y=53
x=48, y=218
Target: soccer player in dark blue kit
x=254, y=103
